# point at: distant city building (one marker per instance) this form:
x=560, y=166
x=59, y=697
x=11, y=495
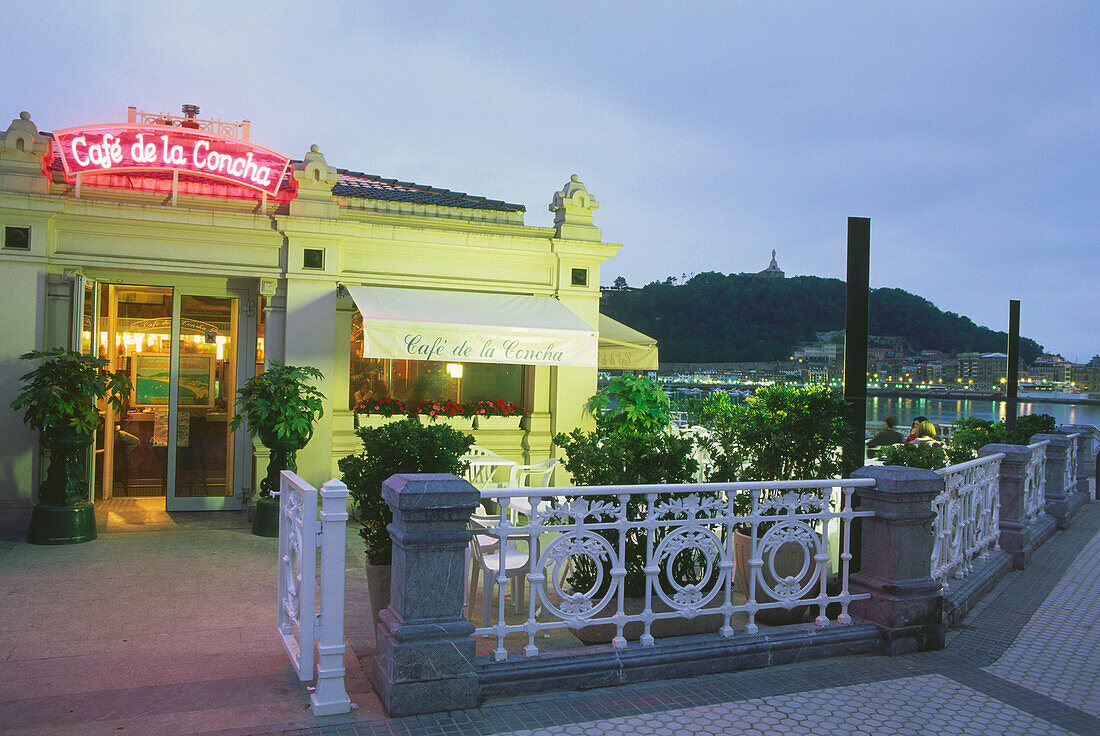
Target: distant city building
x=983, y=370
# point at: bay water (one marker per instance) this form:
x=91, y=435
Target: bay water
x=947, y=411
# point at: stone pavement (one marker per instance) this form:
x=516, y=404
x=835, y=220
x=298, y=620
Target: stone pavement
x=1025, y=661
x=171, y=632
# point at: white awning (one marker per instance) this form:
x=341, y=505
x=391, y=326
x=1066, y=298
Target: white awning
x=625, y=348
x=464, y=327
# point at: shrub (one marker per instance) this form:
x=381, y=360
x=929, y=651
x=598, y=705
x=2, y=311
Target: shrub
x=780, y=433
x=706, y=410
x=972, y=433
x=927, y=455
x=400, y=447
x=631, y=402
x=627, y=457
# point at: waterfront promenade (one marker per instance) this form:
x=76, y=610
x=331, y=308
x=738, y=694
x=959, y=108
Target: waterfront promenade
x=171, y=631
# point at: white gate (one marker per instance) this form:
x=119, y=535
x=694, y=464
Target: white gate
x=301, y=627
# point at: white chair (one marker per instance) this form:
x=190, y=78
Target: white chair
x=487, y=558
x=532, y=476
x=483, y=467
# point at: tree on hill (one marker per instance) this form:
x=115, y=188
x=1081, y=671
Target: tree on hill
x=718, y=318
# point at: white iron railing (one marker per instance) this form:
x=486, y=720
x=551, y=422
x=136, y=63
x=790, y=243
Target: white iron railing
x=300, y=626
x=1035, y=480
x=219, y=127
x=1069, y=482
x=967, y=517
x=690, y=522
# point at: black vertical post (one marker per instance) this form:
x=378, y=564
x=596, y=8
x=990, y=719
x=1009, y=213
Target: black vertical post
x=1013, y=387
x=855, y=363
x=855, y=340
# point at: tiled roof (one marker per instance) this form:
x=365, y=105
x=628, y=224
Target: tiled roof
x=369, y=186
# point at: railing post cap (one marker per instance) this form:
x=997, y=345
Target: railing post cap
x=420, y=491
x=334, y=488
x=1009, y=450
x=894, y=473
x=897, y=483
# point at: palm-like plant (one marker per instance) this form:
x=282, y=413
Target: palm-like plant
x=62, y=392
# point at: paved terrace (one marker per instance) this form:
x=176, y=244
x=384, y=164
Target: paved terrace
x=170, y=630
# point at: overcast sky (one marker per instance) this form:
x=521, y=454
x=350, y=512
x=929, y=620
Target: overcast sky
x=710, y=133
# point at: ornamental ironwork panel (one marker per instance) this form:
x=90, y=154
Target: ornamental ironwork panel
x=581, y=547
x=967, y=521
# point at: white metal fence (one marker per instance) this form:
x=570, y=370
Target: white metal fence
x=1035, y=480
x=301, y=627
x=583, y=543
x=1069, y=482
x=967, y=517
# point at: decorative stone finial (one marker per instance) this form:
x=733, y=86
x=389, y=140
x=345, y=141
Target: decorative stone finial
x=572, y=208
x=22, y=135
x=315, y=182
x=314, y=167
x=21, y=150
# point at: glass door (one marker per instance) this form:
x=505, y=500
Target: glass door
x=84, y=340
x=134, y=332
x=203, y=377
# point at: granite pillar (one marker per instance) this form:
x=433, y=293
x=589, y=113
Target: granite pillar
x=424, y=661
x=1060, y=493
x=905, y=603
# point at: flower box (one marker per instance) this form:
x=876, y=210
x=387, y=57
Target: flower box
x=376, y=420
x=499, y=423
x=456, y=422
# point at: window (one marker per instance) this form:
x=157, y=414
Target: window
x=17, y=238
x=313, y=258
x=413, y=381
x=580, y=277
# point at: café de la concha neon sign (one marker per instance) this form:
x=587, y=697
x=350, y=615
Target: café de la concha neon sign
x=101, y=149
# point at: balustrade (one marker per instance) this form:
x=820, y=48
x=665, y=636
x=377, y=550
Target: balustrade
x=681, y=538
x=967, y=524
x=1035, y=480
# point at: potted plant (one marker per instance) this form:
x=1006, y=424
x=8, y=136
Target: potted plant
x=499, y=414
x=280, y=406
x=401, y=447
x=59, y=400
x=780, y=433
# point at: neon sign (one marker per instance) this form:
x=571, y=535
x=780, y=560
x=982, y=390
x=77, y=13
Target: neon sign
x=110, y=148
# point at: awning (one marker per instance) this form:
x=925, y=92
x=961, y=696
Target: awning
x=463, y=327
x=625, y=348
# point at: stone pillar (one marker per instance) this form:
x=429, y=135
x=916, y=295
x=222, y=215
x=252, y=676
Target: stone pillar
x=905, y=601
x=424, y=661
x=1014, y=525
x=1058, y=496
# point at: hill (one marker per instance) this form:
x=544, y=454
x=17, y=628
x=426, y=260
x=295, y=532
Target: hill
x=719, y=318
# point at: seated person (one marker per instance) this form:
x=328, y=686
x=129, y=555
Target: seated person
x=886, y=436
x=913, y=431
x=926, y=432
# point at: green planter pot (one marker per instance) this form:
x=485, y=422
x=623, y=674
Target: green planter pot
x=63, y=514
x=283, y=453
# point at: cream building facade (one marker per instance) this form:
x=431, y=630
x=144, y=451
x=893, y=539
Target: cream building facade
x=177, y=277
